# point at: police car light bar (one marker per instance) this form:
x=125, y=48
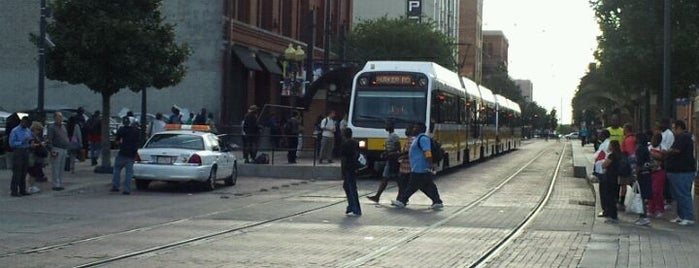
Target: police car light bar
x=204, y=128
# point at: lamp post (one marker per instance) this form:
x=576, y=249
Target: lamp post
x=292, y=59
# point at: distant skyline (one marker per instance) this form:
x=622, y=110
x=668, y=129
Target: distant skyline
x=551, y=43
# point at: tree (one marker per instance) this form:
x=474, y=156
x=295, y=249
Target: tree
x=500, y=81
x=400, y=39
x=113, y=44
x=630, y=53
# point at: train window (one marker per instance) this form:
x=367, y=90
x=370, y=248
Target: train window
x=445, y=108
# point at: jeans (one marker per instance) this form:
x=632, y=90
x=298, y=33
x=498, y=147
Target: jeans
x=95, y=151
x=58, y=164
x=326, y=148
x=350, y=186
x=423, y=182
x=20, y=165
x=681, y=184
x=121, y=162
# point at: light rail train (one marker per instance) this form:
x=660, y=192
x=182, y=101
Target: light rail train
x=469, y=121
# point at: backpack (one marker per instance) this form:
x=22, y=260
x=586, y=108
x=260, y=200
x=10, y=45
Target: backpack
x=262, y=158
x=436, y=148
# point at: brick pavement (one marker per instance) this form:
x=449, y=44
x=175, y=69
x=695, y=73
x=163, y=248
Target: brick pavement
x=662, y=244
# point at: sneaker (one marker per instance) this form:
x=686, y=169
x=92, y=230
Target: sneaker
x=676, y=220
x=611, y=221
x=397, y=203
x=668, y=207
x=114, y=189
x=658, y=215
x=373, y=198
x=642, y=221
x=125, y=193
x=686, y=222
x=437, y=206
x=352, y=214
x=34, y=190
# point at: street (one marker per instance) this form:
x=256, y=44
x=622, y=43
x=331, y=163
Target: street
x=497, y=213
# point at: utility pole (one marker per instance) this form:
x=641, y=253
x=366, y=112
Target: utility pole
x=326, y=44
x=42, y=60
x=667, y=105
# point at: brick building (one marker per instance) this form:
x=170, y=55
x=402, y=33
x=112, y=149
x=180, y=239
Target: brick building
x=236, y=61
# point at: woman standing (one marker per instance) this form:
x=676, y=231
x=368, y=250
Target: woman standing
x=643, y=161
x=609, y=186
x=76, y=139
x=37, y=160
x=656, y=205
x=349, y=152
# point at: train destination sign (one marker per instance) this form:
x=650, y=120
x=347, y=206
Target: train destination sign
x=394, y=79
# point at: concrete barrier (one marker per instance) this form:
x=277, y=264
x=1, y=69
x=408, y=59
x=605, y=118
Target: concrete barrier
x=580, y=161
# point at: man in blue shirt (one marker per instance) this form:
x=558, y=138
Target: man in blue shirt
x=421, y=171
x=21, y=143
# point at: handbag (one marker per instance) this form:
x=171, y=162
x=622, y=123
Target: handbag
x=634, y=201
x=361, y=162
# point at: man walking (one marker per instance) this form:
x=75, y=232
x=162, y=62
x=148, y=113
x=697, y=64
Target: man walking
x=421, y=170
x=21, y=143
x=57, y=140
x=128, y=139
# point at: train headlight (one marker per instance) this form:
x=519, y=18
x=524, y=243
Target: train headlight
x=363, y=81
x=422, y=82
x=362, y=144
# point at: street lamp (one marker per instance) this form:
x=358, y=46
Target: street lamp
x=293, y=59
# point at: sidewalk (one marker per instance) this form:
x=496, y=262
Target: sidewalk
x=82, y=180
x=662, y=244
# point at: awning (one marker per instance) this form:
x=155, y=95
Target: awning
x=269, y=63
x=247, y=58
x=341, y=77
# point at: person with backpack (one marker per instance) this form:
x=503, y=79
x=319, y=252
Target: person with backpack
x=609, y=185
x=327, y=142
x=421, y=170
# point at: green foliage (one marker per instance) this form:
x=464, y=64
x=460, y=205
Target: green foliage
x=399, y=39
x=110, y=45
x=113, y=44
x=630, y=54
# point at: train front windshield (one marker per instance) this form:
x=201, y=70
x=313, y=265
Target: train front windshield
x=373, y=106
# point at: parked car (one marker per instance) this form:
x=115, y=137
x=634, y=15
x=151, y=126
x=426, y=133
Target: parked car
x=571, y=136
x=185, y=155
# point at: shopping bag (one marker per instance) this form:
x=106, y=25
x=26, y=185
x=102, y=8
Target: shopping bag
x=634, y=201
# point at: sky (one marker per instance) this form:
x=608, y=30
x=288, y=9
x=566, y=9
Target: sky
x=551, y=43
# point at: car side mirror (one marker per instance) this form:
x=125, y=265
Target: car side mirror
x=233, y=147
x=215, y=148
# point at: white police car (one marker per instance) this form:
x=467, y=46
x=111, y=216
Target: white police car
x=185, y=153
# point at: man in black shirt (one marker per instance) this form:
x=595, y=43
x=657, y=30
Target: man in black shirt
x=128, y=139
x=251, y=134
x=680, y=167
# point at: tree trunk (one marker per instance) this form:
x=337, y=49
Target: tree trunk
x=106, y=166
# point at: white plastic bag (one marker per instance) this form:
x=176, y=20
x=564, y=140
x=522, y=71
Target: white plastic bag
x=634, y=201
